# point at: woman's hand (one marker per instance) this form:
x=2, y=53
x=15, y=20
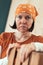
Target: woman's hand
x=26, y=50
x=12, y=46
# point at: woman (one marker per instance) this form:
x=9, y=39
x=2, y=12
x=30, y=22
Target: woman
x=23, y=39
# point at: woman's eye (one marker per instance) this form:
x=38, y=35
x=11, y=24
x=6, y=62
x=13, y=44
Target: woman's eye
x=27, y=17
x=20, y=17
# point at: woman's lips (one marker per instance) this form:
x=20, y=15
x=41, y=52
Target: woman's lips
x=23, y=27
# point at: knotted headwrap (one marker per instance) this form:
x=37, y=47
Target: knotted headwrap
x=28, y=8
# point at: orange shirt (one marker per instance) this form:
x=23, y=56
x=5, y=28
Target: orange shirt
x=7, y=38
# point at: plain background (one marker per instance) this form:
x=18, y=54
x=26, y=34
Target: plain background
x=4, y=10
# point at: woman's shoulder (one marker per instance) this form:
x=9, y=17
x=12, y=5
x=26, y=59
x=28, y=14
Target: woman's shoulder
x=6, y=35
x=38, y=38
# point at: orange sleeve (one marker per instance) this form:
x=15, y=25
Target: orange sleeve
x=5, y=40
x=1, y=39
x=40, y=39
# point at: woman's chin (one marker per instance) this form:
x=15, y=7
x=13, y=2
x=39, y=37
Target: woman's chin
x=22, y=29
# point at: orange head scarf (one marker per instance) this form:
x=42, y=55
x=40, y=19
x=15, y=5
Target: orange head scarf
x=28, y=8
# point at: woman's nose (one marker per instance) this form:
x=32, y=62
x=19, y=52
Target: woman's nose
x=23, y=20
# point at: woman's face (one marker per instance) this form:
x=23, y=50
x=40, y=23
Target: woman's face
x=23, y=22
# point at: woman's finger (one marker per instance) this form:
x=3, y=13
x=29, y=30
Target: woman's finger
x=22, y=53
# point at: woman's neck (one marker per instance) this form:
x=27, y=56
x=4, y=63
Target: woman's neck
x=21, y=37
